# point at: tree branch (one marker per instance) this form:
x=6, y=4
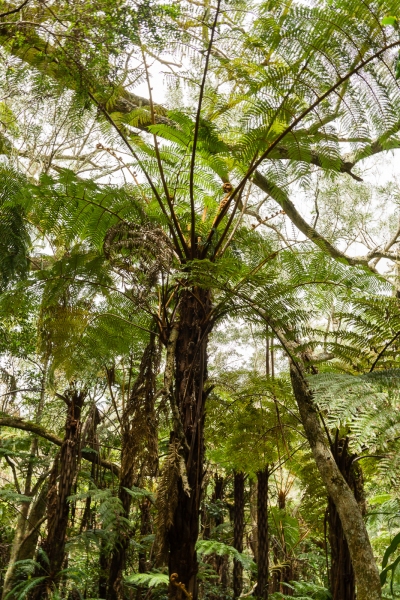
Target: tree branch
x=14, y=10
x=41, y=55
x=312, y=234
x=91, y=456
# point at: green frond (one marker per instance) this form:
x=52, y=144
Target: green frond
x=150, y=580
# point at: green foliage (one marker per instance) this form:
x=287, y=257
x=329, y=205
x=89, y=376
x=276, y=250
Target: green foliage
x=305, y=591
x=139, y=493
x=11, y=496
x=208, y=547
x=390, y=21
x=153, y=579
x=33, y=577
x=283, y=525
x=14, y=234
x=386, y=568
x=111, y=516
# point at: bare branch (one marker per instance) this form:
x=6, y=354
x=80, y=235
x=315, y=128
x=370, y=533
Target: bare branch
x=14, y=10
x=312, y=234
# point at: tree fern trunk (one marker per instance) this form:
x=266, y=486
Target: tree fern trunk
x=253, y=517
x=118, y=555
x=104, y=565
x=284, y=574
x=263, y=538
x=238, y=532
x=145, y=529
x=60, y=485
x=190, y=378
x=139, y=448
x=362, y=557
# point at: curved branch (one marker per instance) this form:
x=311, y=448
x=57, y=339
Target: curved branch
x=91, y=456
x=312, y=234
x=309, y=109
x=14, y=10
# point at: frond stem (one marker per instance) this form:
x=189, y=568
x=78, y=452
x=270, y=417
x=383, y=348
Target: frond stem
x=308, y=110
x=157, y=149
x=149, y=180
x=381, y=353
x=196, y=133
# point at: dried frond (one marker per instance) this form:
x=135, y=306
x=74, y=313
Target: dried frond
x=141, y=251
x=167, y=500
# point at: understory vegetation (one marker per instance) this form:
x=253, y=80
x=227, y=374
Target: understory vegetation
x=199, y=299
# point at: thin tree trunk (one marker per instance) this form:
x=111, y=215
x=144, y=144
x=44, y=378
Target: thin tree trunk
x=205, y=519
x=103, y=569
x=285, y=573
x=362, y=557
x=342, y=578
x=219, y=563
x=28, y=527
x=27, y=519
x=263, y=537
x=27, y=530
x=253, y=540
x=145, y=529
x=238, y=532
x=188, y=409
x=29, y=542
x=9, y=579
x=218, y=496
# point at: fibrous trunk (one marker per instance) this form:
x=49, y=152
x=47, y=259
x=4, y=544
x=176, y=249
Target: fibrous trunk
x=139, y=450
x=262, y=531
x=253, y=517
x=188, y=402
x=238, y=532
x=145, y=529
x=61, y=480
x=342, y=578
x=362, y=557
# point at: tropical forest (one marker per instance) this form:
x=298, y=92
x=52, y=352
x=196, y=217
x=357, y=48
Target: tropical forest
x=199, y=299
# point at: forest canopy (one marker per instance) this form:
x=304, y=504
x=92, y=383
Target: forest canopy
x=199, y=299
